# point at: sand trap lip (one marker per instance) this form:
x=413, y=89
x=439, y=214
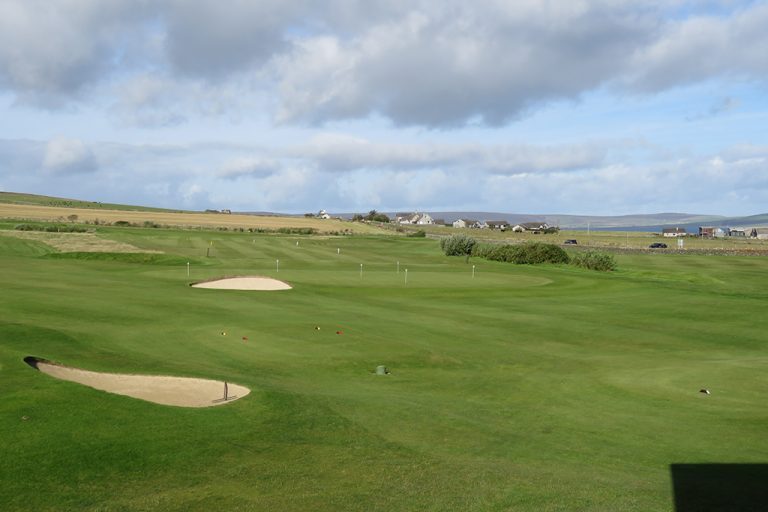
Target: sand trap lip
x=165, y=390
x=243, y=283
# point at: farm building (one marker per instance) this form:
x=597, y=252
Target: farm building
x=738, y=233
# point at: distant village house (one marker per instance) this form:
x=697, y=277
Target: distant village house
x=497, y=224
x=414, y=218
x=466, y=223
x=674, y=232
x=533, y=227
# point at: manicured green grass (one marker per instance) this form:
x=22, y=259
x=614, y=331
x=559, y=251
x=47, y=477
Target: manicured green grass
x=523, y=388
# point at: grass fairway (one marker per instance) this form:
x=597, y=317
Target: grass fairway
x=523, y=388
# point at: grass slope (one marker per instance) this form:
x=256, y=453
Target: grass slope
x=525, y=388
x=39, y=200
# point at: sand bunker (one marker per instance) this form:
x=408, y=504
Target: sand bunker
x=179, y=391
x=244, y=283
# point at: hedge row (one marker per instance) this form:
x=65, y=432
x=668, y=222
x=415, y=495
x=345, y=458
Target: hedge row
x=528, y=253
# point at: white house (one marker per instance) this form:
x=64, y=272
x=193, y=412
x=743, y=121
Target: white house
x=530, y=226
x=674, y=232
x=466, y=223
x=497, y=224
x=425, y=219
x=322, y=214
x=413, y=218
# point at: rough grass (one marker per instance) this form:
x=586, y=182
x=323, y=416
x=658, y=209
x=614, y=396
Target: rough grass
x=76, y=242
x=521, y=388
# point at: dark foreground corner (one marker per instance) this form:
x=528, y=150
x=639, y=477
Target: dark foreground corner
x=720, y=487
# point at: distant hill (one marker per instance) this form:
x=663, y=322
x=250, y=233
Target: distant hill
x=581, y=221
x=38, y=200
x=639, y=222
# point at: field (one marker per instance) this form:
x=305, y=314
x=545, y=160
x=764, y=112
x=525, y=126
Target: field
x=31, y=212
x=610, y=240
x=521, y=388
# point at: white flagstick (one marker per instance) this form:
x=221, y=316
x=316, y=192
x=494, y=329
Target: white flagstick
x=406, y=277
x=277, y=263
x=361, y=271
x=473, y=271
x=187, y=269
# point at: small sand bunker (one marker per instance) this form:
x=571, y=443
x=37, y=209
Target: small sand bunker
x=178, y=391
x=244, y=283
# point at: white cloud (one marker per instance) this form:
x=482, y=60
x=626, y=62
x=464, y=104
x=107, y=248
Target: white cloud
x=249, y=166
x=441, y=64
x=702, y=47
x=338, y=153
x=279, y=180
x=68, y=156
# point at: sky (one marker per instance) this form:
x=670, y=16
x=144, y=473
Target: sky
x=589, y=107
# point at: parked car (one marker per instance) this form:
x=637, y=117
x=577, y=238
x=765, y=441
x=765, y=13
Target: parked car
x=658, y=245
x=570, y=242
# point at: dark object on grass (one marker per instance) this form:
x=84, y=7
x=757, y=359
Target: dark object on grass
x=382, y=370
x=719, y=487
x=704, y=390
x=658, y=245
x=571, y=242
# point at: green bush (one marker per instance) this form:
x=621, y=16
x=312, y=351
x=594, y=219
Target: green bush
x=50, y=228
x=417, y=234
x=457, y=245
x=122, y=223
x=27, y=227
x=297, y=231
x=595, y=260
x=529, y=253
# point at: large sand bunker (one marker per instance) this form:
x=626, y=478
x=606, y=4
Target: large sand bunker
x=179, y=391
x=244, y=283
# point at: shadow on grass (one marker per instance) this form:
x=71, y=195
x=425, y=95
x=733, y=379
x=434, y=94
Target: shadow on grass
x=720, y=487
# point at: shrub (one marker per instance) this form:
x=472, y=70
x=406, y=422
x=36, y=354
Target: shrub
x=121, y=223
x=417, y=234
x=529, y=253
x=297, y=231
x=457, y=245
x=595, y=260
x=50, y=228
